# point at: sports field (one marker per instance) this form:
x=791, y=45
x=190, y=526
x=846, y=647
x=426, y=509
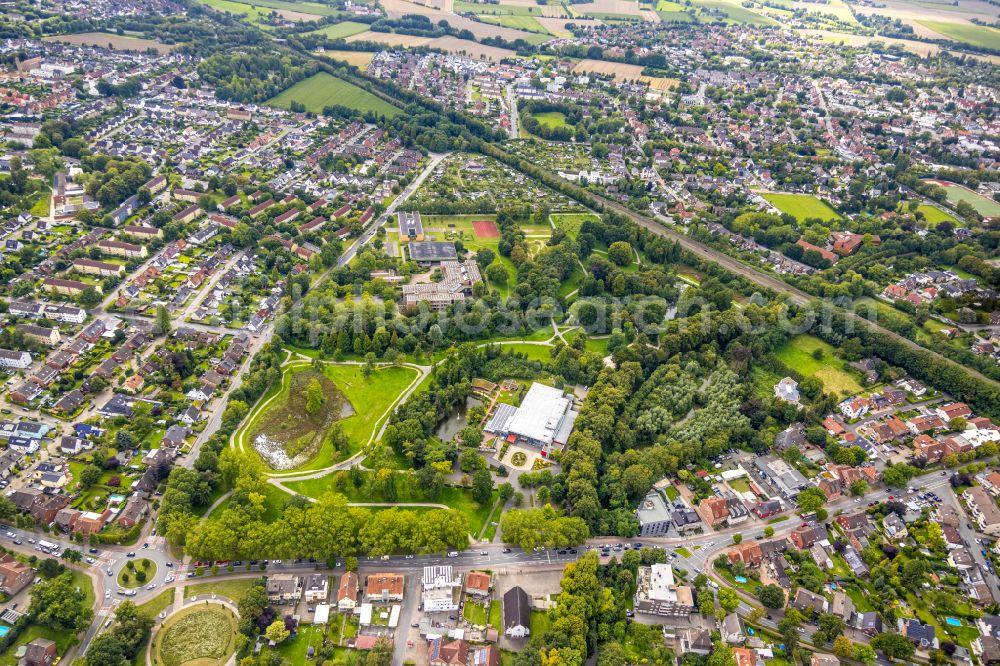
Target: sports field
x=801, y=206
x=934, y=215
x=321, y=90
x=957, y=193
x=486, y=229
x=966, y=33
x=797, y=354
x=341, y=30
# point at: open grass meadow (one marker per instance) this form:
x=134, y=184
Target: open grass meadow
x=230, y=589
x=571, y=222
x=322, y=90
x=341, y=30
x=802, y=206
x=965, y=33
x=203, y=633
x=551, y=119
x=407, y=491
x=797, y=354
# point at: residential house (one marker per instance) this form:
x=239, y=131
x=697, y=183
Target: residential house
x=284, y=588
x=347, y=592
x=316, y=588
x=40, y=652
x=14, y=575
x=384, y=587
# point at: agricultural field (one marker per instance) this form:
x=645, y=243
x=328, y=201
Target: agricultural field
x=797, y=354
x=966, y=33
x=203, y=633
x=801, y=206
x=106, y=39
x=341, y=30
x=473, y=49
x=322, y=90
x=305, y=8
x=620, y=70
x=360, y=59
x=389, y=39
x=730, y=12
x=957, y=193
x=526, y=23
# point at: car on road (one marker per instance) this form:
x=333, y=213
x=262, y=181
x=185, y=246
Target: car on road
x=506, y=550
x=93, y=551
x=483, y=552
x=169, y=579
x=573, y=551
x=18, y=542
x=415, y=625
x=151, y=586
x=107, y=594
x=11, y=535
x=409, y=557
x=131, y=553
x=110, y=572
x=562, y=552
x=91, y=560
x=170, y=564
x=145, y=545
x=31, y=541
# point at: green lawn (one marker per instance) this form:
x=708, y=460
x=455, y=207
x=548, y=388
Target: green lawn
x=571, y=222
x=475, y=613
x=340, y=30
x=371, y=397
x=407, y=491
x=797, y=354
x=321, y=90
x=802, y=206
x=974, y=35
x=496, y=618
x=158, y=604
x=682, y=551
x=128, y=577
x=540, y=622
x=934, y=215
x=551, y=119
x=84, y=582
x=232, y=589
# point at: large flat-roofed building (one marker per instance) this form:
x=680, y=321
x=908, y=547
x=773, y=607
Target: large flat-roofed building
x=410, y=226
x=544, y=419
x=431, y=252
x=658, y=594
x=653, y=515
x=456, y=285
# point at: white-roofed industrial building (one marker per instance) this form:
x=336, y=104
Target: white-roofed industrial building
x=544, y=419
